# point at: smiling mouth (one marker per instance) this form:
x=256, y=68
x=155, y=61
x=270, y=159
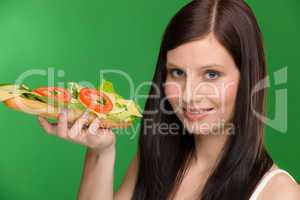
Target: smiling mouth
x=196, y=111
x=196, y=114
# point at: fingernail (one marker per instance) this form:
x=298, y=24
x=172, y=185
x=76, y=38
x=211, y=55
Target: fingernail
x=94, y=127
x=92, y=131
x=85, y=115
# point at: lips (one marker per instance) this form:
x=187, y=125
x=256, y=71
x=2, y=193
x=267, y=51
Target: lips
x=196, y=114
x=199, y=110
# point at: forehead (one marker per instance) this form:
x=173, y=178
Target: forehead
x=200, y=52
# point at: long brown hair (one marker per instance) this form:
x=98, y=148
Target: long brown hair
x=163, y=158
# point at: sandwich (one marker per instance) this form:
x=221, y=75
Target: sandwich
x=103, y=102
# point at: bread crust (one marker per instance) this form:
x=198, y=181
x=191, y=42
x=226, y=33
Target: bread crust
x=49, y=111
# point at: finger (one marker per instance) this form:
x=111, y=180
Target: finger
x=102, y=136
x=94, y=126
x=76, y=129
x=46, y=125
x=62, y=125
x=100, y=133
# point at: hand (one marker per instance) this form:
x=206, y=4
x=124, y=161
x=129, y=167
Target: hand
x=97, y=139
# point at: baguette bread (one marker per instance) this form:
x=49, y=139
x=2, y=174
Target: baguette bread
x=49, y=111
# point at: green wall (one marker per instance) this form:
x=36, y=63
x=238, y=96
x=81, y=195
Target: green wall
x=279, y=22
x=83, y=37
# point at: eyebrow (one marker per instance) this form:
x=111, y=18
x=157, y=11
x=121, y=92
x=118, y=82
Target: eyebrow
x=202, y=67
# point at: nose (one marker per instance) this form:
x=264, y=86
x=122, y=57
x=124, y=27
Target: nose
x=188, y=95
x=195, y=91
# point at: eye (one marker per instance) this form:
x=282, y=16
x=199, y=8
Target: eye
x=211, y=74
x=175, y=72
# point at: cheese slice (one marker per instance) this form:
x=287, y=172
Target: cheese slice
x=4, y=95
x=10, y=91
x=131, y=107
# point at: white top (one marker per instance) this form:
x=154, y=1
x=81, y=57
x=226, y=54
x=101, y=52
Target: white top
x=266, y=178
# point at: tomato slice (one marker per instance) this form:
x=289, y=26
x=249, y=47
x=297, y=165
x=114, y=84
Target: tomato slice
x=95, y=100
x=56, y=93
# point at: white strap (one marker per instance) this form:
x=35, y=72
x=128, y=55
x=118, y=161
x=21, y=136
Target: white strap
x=265, y=180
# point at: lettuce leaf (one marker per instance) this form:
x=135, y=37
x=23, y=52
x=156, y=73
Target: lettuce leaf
x=76, y=105
x=106, y=86
x=33, y=96
x=119, y=117
x=120, y=102
x=74, y=89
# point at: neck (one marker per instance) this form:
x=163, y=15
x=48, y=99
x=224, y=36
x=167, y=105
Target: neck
x=208, y=150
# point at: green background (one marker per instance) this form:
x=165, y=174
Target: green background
x=83, y=37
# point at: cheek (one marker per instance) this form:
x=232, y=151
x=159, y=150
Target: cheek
x=172, y=92
x=227, y=101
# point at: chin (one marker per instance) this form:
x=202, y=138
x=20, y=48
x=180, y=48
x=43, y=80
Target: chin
x=196, y=128
x=204, y=126
x=201, y=127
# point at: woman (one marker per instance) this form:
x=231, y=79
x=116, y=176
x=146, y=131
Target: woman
x=210, y=60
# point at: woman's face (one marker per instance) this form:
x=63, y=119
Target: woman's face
x=201, y=85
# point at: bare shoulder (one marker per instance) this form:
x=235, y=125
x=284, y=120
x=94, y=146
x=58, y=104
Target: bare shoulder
x=281, y=186
x=127, y=186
